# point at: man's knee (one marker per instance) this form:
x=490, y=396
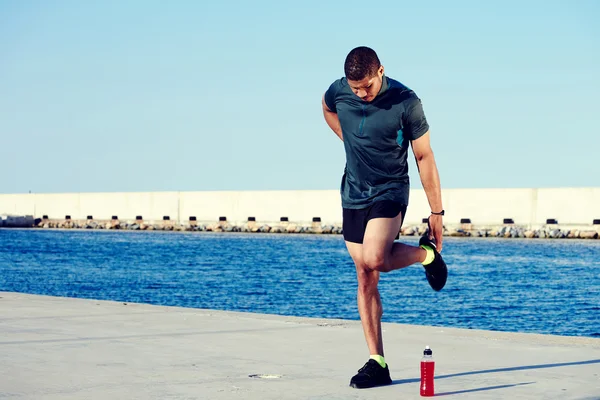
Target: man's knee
x=374, y=260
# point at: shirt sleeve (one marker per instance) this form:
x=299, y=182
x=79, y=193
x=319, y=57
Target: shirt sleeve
x=331, y=95
x=414, y=121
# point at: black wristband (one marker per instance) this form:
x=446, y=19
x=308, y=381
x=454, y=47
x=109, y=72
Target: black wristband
x=438, y=213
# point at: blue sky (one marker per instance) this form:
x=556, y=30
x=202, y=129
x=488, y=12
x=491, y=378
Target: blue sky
x=193, y=95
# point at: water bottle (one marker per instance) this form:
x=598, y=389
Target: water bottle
x=427, y=370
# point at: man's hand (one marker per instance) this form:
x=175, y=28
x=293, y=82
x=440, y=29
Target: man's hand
x=436, y=230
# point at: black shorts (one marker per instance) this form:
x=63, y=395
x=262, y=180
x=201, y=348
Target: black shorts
x=354, y=221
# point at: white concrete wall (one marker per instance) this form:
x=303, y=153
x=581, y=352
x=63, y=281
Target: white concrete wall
x=126, y=206
x=57, y=205
x=570, y=206
x=489, y=206
x=152, y=206
x=17, y=204
x=265, y=206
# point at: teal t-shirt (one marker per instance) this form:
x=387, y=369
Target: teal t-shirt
x=376, y=135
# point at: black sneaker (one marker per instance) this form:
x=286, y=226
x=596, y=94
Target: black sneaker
x=436, y=272
x=371, y=375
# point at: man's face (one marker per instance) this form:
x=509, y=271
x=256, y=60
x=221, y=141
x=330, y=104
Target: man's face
x=368, y=87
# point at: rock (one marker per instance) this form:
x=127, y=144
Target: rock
x=529, y=234
x=409, y=231
x=134, y=227
x=459, y=233
x=216, y=227
x=554, y=234
x=292, y=228
x=515, y=232
x=315, y=227
x=588, y=235
x=265, y=229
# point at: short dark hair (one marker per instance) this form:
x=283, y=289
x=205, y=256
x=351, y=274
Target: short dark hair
x=362, y=62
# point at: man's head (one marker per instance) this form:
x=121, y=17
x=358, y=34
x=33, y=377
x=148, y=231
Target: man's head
x=364, y=72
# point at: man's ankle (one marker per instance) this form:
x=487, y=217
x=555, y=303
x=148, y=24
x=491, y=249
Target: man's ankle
x=429, y=255
x=380, y=360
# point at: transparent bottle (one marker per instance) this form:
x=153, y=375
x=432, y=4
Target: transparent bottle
x=427, y=372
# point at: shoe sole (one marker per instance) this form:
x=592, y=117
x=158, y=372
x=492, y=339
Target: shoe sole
x=427, y=242
x=434, y=287
x=355, y=386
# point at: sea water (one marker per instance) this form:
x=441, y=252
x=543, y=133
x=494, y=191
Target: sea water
x=521, y=285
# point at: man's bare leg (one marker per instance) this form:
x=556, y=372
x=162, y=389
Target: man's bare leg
x=378, y=253
x=368, y=300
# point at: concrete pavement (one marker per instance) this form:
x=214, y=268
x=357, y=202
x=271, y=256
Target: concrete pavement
x=62, y=348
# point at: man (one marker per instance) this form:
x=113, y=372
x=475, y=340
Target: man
x=377, y=118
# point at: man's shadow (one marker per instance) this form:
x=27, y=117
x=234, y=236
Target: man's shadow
x=483, y=388
x=489, y=371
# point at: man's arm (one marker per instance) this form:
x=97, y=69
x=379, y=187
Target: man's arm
x=431, y=183
x=332, y=120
